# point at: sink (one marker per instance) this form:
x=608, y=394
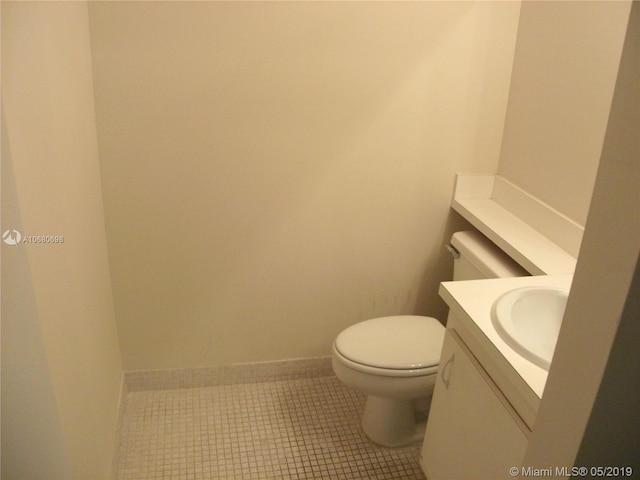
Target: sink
x=528, y=319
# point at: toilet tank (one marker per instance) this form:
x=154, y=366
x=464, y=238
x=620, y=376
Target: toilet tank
x=477, y=257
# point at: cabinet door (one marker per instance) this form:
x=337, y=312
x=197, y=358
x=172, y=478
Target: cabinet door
x=472, y=431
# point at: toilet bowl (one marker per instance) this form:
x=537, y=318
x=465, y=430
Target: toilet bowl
x=394, y=361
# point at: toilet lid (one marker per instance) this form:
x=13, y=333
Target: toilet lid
x=400, y=342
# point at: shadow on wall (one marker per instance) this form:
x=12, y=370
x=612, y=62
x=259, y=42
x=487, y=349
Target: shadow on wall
x=428, y=302
x=32, y=438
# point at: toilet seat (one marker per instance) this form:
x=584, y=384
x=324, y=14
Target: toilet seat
x=398, y=346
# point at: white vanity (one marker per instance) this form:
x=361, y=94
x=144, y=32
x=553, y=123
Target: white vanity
x=487, y=394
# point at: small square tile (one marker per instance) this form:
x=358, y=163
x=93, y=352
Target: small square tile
x=290, y=428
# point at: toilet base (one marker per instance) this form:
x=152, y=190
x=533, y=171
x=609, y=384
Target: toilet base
x=392, y=422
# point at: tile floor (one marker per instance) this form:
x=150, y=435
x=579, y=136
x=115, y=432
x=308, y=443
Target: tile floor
x=291, y=429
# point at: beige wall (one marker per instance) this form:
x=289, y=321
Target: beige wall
x=564, y=72
x=61, y=364
x=596, y=357
x=274, y=172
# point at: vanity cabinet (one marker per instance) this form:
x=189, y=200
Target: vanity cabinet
x=472, y=430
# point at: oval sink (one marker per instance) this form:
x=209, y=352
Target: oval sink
x=528, y=319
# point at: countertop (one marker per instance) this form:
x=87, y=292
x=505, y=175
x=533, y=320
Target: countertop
x=470, y=304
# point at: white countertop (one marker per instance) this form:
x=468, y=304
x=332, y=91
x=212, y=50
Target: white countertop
x=541, y=239
x=470, y=304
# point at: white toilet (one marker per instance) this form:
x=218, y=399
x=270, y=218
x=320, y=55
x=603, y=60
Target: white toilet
x=394, y=360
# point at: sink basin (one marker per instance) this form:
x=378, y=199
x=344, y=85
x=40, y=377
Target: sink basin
x=528, y=319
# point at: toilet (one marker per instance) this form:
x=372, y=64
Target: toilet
x=394, y=360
